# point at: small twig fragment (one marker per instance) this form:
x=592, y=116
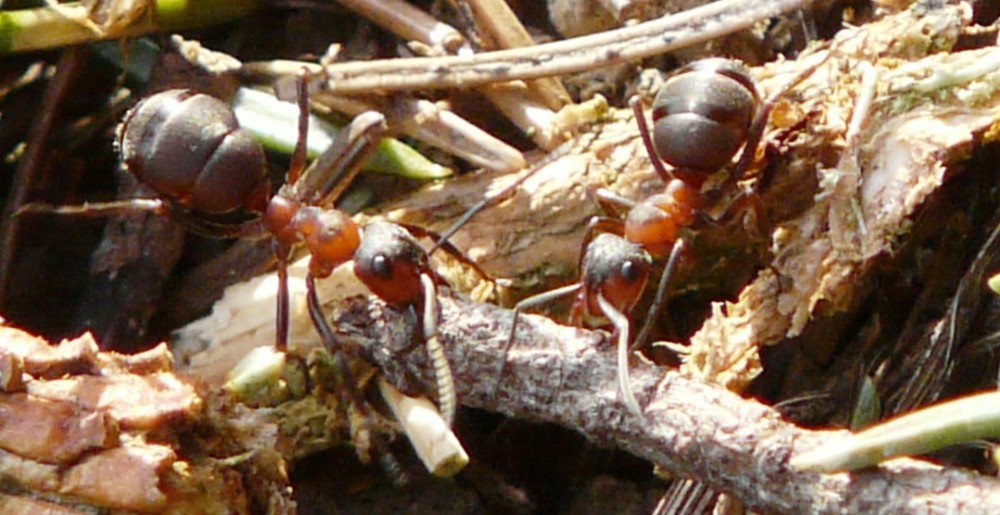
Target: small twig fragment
x=432, y=439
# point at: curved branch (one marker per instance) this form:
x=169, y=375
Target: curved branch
x=567, y=376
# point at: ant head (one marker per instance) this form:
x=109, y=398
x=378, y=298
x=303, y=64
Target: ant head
x=390, y=261
x=617, y=269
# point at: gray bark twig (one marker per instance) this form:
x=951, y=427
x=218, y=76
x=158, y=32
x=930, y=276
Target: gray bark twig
x=569, y=56
x=566, y=376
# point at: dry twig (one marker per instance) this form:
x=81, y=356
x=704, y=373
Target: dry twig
x=567, y=376
x=561, y=57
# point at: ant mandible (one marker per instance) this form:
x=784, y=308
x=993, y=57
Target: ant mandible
x=189, y=148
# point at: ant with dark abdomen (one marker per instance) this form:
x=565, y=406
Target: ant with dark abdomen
x=189, y=148
x=702, y=116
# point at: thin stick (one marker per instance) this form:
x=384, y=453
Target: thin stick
x=569, y=56
x=95, y=209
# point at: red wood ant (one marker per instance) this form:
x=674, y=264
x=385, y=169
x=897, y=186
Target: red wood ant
x=703, y=115
x=206, y=170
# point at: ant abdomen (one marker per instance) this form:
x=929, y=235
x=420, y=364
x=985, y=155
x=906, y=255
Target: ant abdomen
x=702, y=114
x=190, y=149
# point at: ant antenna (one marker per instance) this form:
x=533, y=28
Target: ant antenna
x=621, y=324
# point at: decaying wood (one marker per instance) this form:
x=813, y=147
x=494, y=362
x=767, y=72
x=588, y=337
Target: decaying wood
x=84, y=430
x=694, y=428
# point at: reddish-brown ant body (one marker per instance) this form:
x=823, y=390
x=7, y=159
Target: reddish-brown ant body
x=207, y=171
x=702, y=116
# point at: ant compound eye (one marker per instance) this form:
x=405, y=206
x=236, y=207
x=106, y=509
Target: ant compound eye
x=630, y=271
x=381, y=266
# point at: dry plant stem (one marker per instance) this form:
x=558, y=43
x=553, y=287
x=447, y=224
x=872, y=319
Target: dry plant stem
x=958, y=421
x=522, y=106
x=428, y=432
x=569, y=56
x=33, y=162
x=444, y=129
x=449, y=132
x=437, y=127
x=694, y=428
x=409, y=23
x=46, y=27
x=496, y=18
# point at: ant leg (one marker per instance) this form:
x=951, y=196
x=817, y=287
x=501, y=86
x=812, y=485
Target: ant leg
x=611, y=202
x=526, y=303
x=350, y=391
x=435, y=352
x=281, y=252
x=756, y=132
x=620, y=322
x=661, y=294
x=647, y=141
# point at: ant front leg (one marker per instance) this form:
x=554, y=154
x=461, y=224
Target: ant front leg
x=349, y=391
x=279, y=217
x=661, y=295
x=294, y=213
x=534, y=300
